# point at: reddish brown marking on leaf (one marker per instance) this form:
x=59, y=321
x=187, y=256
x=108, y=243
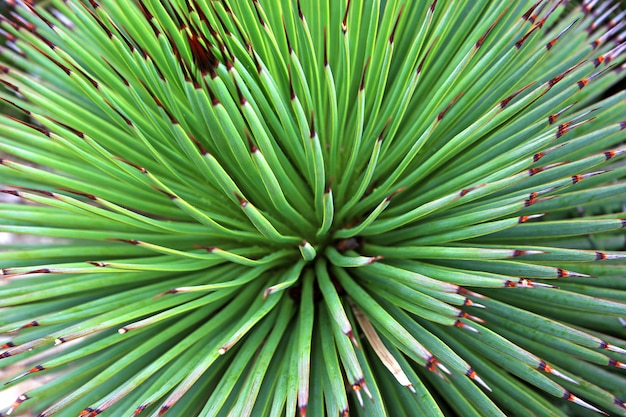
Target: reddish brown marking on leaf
x=32, y=8
x=88, y=77
x=39, y=271
x=132, y=164
x=201, y=148
x=11, y=192
x=596, y=43
x=300, y=14
x=242, y=201
x=251, y=145
x=506, y=101
x=562, y=129
x=530, y=11
x=312, y=132
x=328, y=188
x=523, y=39
x=54, y=61
x=169, y=114
x=131, y=241
x=562, y=75
x=98, y=20
x=71, y=129
x=344, y=21
x=172, y=291
x=126, y=119
x=258, y=13
x=182, y=24
x=421, y=65
x=465, y=191
x=289, y=48
x=382, y=134
x=550, y=44
x=488, y=31
x=600, y=256
x=532, y=199
x=292, y=91
x=198, y=9
x=431, y=364
x=39, y=129
x=163, y=409
x=568, y=126
x=393, y=194
x=365, y=67
x=552, y=118
x=145, y=10
x=242, y=99
x=7, y=36
x=203, y=57
x=582, y=83
x=166, y=193
x=214, y=100
x=444, y=111
x=11, y=86
x=598, y=61
x=544, y=367
x=432, y=6
x=395, y=26
x=86, y=412
x=257, y=62
x=609, y=154
x=8, y=345
x=374, y=259
x=35, y=190
x=140, y=409
x=89, y=196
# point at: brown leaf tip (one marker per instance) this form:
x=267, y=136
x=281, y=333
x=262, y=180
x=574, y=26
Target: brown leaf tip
x=242, y=201
x=344, y=22
x=163, y=409
x=140, y=409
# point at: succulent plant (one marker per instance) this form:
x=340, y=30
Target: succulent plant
x=346, y=207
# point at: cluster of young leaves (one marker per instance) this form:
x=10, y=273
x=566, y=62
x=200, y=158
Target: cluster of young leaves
x=268, y=208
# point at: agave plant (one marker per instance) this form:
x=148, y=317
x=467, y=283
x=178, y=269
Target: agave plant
x=321, y=208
